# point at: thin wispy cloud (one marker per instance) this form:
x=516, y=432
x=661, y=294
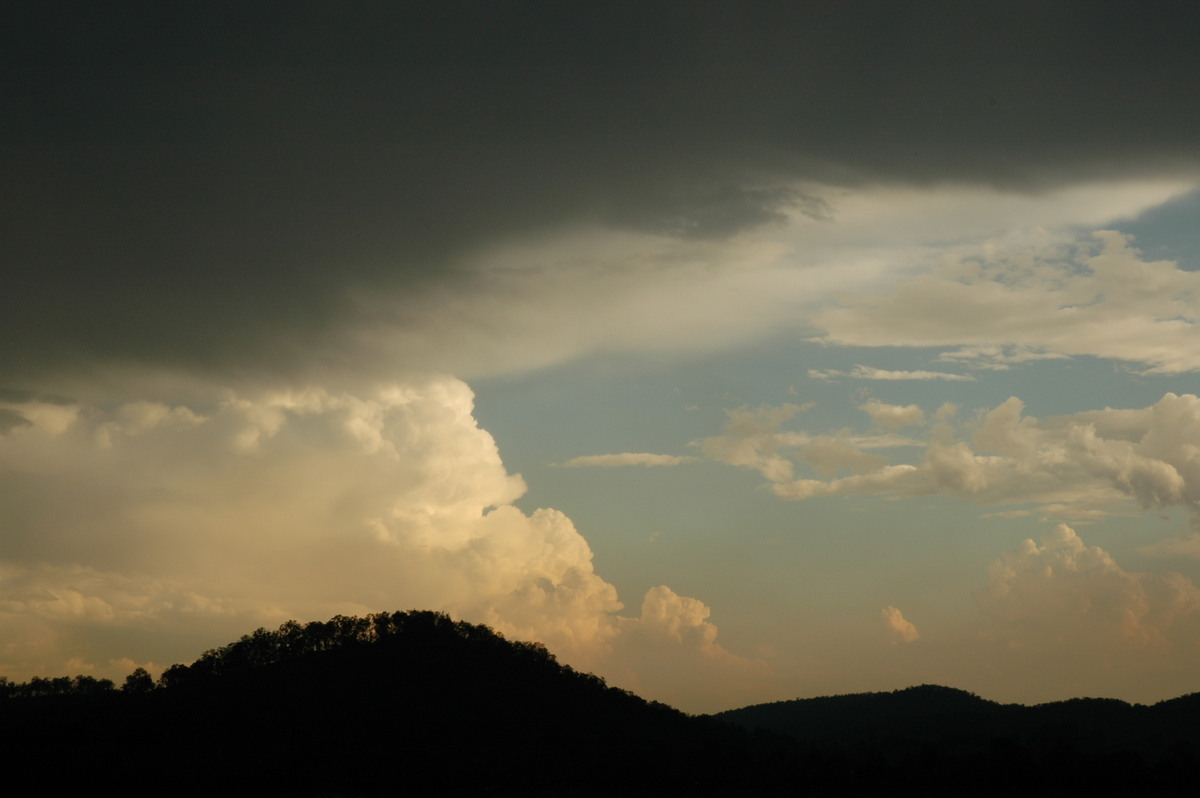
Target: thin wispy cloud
x=871, y=373
x=1012, y=304
x=626, y=459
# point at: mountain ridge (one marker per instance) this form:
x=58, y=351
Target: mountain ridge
x=397, y=703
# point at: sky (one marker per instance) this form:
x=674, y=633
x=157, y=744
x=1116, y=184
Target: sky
x=735, y=353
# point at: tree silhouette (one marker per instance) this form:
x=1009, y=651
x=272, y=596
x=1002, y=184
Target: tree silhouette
x=138, y=682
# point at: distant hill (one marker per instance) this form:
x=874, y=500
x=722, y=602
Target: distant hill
x=926, y=712
x=938, y=739
x=931, y=713
x=414, y=703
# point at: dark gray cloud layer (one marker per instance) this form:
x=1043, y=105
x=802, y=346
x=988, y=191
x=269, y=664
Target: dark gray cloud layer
x=206, y=185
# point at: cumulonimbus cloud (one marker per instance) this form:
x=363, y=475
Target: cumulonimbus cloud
x=298, y=504
x=1063, y=595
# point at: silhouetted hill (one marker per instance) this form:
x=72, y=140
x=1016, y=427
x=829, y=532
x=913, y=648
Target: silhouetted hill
x=392, y=704
x=916, y=713
x=938, y=740
x=417, y=704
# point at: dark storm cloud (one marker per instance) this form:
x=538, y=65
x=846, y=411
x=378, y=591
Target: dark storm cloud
x=21, y=396
x=207, y=185
x=713, y=211
x=11, y=419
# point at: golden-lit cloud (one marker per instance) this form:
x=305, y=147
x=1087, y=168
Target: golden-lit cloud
x=297, y=504
x=1067, y=616
x=899, y=628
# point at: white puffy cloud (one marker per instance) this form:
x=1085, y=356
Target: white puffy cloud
x=945, y=411
x=627, y=459
x=1078, y=465
x=678, y=618
x=830, y=454
x=672, y=649
x=893, y=416
x=753, y=439
x=1058, y=618
x=1064, y=596
x=196, y=526
x=1007, y=303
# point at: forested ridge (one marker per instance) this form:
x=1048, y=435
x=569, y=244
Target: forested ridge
x=388, y=704
x=939, y=739
x=414, y=703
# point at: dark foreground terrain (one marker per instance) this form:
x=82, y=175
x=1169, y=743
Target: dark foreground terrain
x=417, y=704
